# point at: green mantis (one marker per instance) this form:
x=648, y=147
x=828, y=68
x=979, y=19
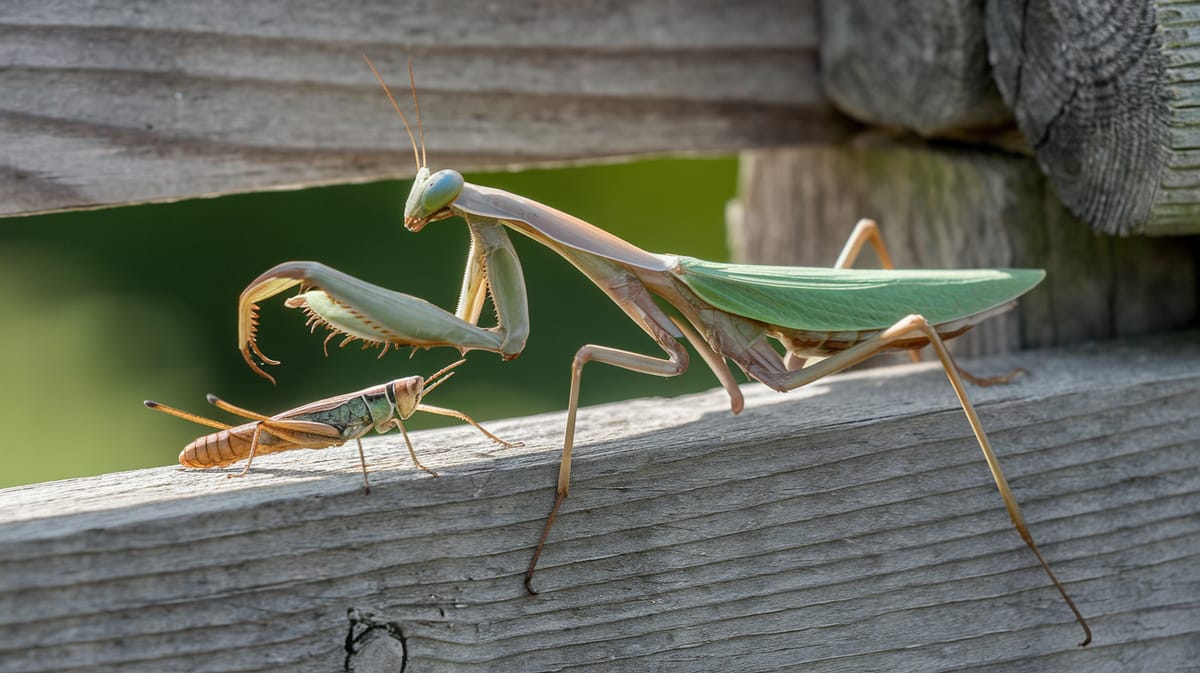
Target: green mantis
x=725, y=311
x=318, y=425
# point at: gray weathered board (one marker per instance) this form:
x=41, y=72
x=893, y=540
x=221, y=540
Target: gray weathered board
x=851, y=525
x=113, y=103
x=142, y=100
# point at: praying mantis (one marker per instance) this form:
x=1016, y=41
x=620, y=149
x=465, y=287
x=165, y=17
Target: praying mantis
x=827, y=318
x=318, y=425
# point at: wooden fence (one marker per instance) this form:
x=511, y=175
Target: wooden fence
x=847, y=526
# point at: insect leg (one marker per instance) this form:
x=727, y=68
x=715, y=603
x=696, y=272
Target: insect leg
x=296, y=433
x=362, y=458
x=675, y=363
x=904, y=329
x=453, y=413
x=235, y=410
x=253, y=449
x=411, y=452
x=867, y=231
x=186, y=415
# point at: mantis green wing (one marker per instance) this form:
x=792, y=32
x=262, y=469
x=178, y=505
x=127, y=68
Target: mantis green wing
x=840, y=300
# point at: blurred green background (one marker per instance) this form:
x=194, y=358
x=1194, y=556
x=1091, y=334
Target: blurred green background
x=106, y=308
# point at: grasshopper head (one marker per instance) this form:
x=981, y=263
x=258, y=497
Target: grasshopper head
x=431, y=197
x=405, y=394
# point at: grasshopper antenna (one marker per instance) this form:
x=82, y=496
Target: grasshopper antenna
x=411, y=138
x=440, y=376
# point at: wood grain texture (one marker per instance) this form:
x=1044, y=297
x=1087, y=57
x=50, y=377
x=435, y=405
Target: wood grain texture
x=916, y=65
x=140, y=101
x=848, y=526
x=1105, y=93
x=946, y=206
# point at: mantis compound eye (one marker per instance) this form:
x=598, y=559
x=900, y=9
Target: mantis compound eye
x=439, y=191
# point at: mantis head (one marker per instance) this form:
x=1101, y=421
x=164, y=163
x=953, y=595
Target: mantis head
x=431, y=197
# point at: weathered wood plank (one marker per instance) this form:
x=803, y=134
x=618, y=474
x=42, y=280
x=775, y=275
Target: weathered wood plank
x=955, y=207
x=849, y=526
x=1104, y=93
x=916, y=65
x=148, y=101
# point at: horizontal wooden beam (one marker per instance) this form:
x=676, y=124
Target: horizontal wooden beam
x=146, y=101
x=852, y=524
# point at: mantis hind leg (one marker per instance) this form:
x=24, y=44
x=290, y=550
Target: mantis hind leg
x=867, y=231
x=782, y=379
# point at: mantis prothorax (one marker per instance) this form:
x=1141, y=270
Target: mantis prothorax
x=318, y=425
x=725, y=311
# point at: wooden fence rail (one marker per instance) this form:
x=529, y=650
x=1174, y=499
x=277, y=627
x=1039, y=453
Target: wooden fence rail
x=849, y=526
x=142, y=100
x=145, y=101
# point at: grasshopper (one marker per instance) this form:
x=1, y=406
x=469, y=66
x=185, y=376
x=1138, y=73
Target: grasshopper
x=318, y=425
x=827, y=318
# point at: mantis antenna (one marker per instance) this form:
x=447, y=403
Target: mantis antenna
x=411, y=138
x=412, y=83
